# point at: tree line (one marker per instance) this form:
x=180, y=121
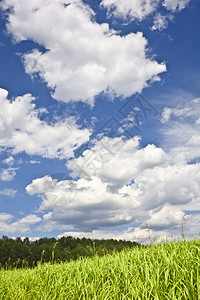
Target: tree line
x=17, y=253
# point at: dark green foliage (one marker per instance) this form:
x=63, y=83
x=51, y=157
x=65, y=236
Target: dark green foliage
x=19, y=253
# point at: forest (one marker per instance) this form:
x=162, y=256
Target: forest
x=17, y=253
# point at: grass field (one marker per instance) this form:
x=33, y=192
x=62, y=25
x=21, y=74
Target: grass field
x=161, y=271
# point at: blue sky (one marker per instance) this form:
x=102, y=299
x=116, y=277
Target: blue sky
x=99, y=118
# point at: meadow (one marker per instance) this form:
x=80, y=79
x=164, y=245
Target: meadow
x=161, y=271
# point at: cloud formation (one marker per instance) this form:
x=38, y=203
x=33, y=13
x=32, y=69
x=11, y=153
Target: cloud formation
x=22, y=130
x=7, y=174
x=160, y=21
x=8, y=192
x=85, y=203
x=130, y=9
x=82, y=58
x=139, y=10
x=116, y=161
x=21, y=225
x=142, y=185
x=119, y=182
x=175, y=5
x=181, y=131
x=8, y=161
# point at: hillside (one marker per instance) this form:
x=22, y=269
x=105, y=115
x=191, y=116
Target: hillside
x=161, y=271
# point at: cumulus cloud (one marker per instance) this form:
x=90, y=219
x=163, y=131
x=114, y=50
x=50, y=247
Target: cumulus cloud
x=130, y=9
x=137, y=234
x=85, y=204
x=165, y=218
x=121, y=183
x=148, y=188
x=175, y=4
x=22, y=130
x=4, y=217
x=170, y=228
x=116, y=161
x=177, y=184
x=82, y=57
x=21, y=225
x=170, y=219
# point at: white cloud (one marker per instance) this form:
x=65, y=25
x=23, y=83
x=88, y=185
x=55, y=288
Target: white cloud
x=8, y=192
x=47, y=217
x=122, y=183
x=130, y=9
x=33, y=239
x=7, y=174
x=85, y=204
x=175, y=5
x=157, y=196
x=51, y=225
x=183, y=145
x=21, y=225
x=22, y=130
x=100, y=234
x=117, y=161
x=181, y=131
x=191, y=109
x=176, y=185
x=198, y=121
x=41, y=185
x=160, y=21
x=137, y=234
x=34, y=162
x=192, y=224
x=144, y=234
x=82, y=58
x=29, y=220
x=4, y=217
x=9, y=161
x=170, y=219
x=166, y=115
x=168, y=216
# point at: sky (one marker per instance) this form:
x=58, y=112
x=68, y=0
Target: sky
x=100, y=119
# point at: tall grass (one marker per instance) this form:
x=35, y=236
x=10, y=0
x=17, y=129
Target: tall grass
x=161, y=271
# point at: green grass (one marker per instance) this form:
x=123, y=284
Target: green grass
x=161, y=271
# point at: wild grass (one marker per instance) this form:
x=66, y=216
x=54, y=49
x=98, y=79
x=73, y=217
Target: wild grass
x=162, y=271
